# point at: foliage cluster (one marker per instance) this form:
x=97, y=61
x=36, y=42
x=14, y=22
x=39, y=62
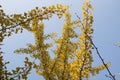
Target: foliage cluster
x=72, y=55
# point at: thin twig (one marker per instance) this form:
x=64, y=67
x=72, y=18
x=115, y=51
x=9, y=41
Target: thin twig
x=112, y=76
x=85, y=48
x=20, y=72
x=16, y=24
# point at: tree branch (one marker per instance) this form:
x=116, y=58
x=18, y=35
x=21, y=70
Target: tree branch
x=98, y=53
x=112, y=76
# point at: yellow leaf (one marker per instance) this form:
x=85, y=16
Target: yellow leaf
x=91, y=7
x=38, y=72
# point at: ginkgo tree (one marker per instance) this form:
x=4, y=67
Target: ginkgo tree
x=73, y=50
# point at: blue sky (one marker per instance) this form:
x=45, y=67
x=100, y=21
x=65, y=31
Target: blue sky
x=106, y=31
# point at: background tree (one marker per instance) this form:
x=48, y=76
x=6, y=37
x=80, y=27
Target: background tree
x=72, y=59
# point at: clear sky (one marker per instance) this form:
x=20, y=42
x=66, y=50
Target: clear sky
x=106, y=31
